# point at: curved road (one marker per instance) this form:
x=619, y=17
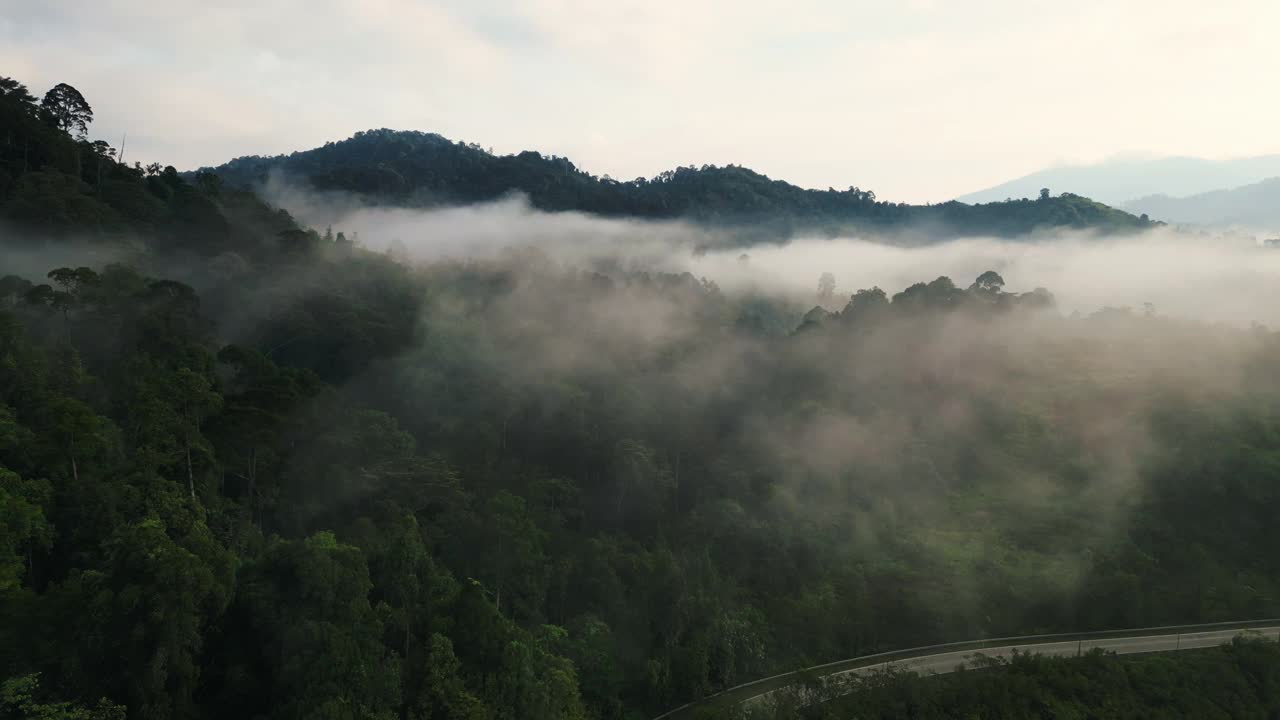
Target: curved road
x=939, y=659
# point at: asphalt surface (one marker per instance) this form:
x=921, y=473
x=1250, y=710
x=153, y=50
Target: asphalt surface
x=942, y=663
x=924, y=662
x=947, y=662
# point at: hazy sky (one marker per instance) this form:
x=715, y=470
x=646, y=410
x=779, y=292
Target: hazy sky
x=915, y=99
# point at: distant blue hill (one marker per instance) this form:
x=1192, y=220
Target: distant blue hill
x=1255, y=206
x=1121, y=180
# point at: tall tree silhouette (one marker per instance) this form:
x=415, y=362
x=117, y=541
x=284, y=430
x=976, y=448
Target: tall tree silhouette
x=67, y=109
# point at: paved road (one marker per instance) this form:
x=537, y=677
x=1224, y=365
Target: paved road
x=925, y=662
x=941, y=663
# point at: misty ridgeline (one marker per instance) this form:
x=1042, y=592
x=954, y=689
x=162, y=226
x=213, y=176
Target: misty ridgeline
x=564, y=467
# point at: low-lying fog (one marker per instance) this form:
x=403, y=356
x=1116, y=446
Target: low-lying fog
x=1217, y=279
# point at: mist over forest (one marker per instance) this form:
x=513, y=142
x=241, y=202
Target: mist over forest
x=1169, y=270
x=290, y=451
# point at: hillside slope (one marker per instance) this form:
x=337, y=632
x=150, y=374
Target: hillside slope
x=249, y=470
x=422, y=170
x=1256, y=205
x=55, y=185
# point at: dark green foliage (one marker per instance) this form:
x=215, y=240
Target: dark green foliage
x=423, y=169
x=19, y=701
x=58, y=202
x=67, y=110
x=310, y=636
x=254, y=471
x=54, y=183
x=13, y=90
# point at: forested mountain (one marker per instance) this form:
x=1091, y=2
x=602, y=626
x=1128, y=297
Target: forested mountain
x=250, y=470
x=63, y=185
x=424, y=170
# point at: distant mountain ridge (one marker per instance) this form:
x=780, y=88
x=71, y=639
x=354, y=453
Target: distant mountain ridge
x=418, y=169
x=1123, y=180
x=1255, y=206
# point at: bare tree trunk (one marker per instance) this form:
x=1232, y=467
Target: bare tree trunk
x=497, y=597
x=191, y=479
x=71, y=453
x=253, y=485
x=619, y=501
x=676, y=480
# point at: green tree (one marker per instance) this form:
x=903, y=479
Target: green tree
x=319, y=637
x=67, y=109
x=23, y=526
x=988, y=283
x=139, y=631
x=442, y=691
x=11, y=89
x=18, y=701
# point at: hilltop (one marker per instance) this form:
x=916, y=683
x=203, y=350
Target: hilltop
x=57, y=184
x=418, y=169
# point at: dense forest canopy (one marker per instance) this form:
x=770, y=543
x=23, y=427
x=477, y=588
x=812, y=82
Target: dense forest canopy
x=252, y=470
x=425, y=170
